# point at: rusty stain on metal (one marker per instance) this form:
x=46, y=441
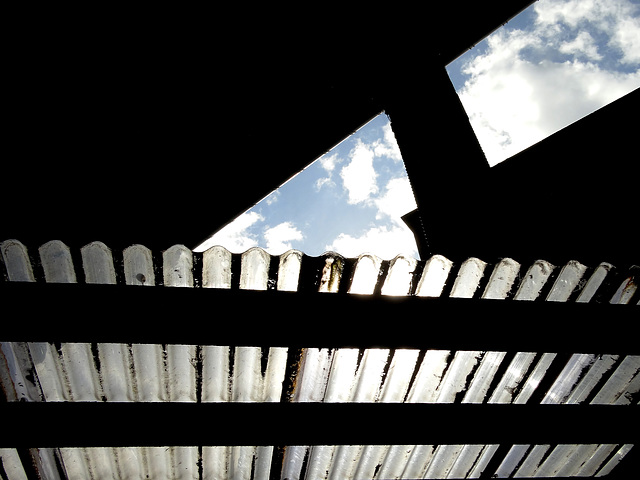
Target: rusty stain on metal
x=331, y=274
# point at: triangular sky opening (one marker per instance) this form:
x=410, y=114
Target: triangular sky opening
x=350, y=200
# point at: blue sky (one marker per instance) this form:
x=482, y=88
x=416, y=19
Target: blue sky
x=553, y=64
x=350, y=201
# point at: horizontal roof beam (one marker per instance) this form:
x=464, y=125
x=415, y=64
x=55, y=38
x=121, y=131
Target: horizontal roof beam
x=95, y=424
x=166, y=315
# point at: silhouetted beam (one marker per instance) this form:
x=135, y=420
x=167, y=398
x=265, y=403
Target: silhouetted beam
x=69, y=424
x=164, y=315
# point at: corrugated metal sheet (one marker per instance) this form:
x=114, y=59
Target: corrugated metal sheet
x=70, y=372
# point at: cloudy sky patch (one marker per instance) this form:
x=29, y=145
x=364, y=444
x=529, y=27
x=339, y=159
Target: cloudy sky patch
x=349, y=201
x=359, y=176
x=555, y=63
x=279, y=238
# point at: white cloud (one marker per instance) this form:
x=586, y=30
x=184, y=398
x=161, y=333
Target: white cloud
x=392, y=237
x=279, y=238
x=615, y=18
x=273, y=197
x=582, y=45
x=550, y=12
x=387, y=146
x=359, y=176
x=603, y=14
x=397, y=200
x=383, y=241
x=517, y=95
x=328, y=163
x=324, y=181
x=235, y=237
x=627, y=39
x=388, y=239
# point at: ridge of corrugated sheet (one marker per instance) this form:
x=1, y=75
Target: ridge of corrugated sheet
x=118, y=372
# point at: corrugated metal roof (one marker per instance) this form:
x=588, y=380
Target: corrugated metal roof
x=73, y=372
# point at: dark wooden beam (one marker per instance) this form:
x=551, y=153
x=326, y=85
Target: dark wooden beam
x=88, y=424
x=165, y=315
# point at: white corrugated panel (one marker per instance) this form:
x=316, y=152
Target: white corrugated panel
x=97, y=263
x=468, y=279
x=16, y=260
x=177, y=266
x=534, y=280
x=169, y=373
x=595, y=282
x=398, y=376
x=502, y=279
x=567, y=281
x=11, y=464
x=289, y=271
x=432, y=369
x=575, y=383
x=626, y=291
x=512, y=378
x=138, y=266
x=56, y=261
x=366, y=274
x=216, y=268
x=611, y=464
x=254, y=273
x=434, y=276
x=535, y=378
x=623, y=385
x=400, y=276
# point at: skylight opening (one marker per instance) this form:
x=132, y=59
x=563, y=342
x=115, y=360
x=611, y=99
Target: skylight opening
x=553, y=64
x=350, y=200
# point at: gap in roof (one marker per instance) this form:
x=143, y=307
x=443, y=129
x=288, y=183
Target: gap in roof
x=349, y=200
x=551, y=65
